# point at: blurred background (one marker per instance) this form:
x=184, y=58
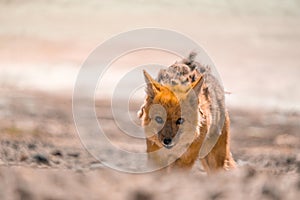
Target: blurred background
x=255, y=46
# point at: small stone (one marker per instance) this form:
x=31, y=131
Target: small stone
x=23, y=157
x=57, y=153
x=217, y=195
x=142, y=195
x=31, y=146
x=75, y=154
x=41, y=159
x=290, y=160
x=250, y=172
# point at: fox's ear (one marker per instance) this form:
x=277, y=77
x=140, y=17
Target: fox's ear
x=194, y=91
x=153, y=87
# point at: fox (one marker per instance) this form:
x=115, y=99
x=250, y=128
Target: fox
x=185, y=119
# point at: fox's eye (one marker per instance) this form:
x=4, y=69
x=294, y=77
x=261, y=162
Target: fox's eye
x=179, y=121
x=159, y=120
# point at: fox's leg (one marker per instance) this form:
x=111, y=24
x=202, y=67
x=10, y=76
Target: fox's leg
x=220, y=157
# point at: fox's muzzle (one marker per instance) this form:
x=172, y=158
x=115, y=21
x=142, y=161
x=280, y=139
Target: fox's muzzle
x=166, y=136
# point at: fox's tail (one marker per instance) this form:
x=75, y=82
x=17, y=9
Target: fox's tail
x=193, y=64
x=190, y=61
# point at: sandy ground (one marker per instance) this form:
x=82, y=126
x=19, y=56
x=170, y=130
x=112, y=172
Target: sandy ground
x=42, y=158
x=255, y=47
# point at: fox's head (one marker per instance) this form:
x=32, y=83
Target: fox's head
x=171, y=111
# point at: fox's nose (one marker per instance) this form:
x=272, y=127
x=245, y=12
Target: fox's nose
x=167, y=141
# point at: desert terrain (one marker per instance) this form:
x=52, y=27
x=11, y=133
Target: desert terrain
x=43, y=44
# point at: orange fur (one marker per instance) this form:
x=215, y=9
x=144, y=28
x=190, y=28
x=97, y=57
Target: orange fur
x=191, y=104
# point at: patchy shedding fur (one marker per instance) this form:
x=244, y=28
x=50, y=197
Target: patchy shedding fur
x=194, y=116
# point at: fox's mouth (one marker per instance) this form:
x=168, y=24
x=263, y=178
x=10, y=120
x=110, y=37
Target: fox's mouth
x=168, y=143
x=169, y=146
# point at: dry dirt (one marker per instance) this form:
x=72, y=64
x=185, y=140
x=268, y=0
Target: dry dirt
x=255, y=46
x=42, y=158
